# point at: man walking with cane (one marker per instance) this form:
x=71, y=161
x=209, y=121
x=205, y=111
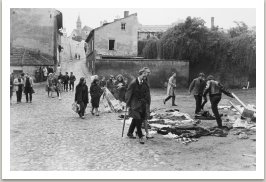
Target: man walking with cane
x=137, y=98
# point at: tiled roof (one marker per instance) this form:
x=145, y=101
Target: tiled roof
x=25, y=57
x=153, y=28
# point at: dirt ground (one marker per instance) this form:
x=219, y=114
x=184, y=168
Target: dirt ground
x=48, y=135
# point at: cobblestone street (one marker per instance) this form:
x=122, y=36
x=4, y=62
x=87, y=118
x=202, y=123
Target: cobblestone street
x=48, y=135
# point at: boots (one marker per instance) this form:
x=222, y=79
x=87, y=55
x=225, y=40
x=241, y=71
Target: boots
x=173, y=101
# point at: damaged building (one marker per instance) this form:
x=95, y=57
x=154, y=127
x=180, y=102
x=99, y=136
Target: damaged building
x=113, y=49
x=35, y=39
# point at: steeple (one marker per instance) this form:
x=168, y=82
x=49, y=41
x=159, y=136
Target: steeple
x=79, y=23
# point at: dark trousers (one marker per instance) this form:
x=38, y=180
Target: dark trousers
x=198, y=99
x=19, y=95
x=71, y=85
x=135, y=123
x=82, y=108
x=173, y=99
x=215, y=99
x=65, y=86
x=203, y=103
x=57, y=92
x=27, y=96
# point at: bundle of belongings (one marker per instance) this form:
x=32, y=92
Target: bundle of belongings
x=110, y=103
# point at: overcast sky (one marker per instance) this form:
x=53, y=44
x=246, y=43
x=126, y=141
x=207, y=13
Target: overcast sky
x=224, y=18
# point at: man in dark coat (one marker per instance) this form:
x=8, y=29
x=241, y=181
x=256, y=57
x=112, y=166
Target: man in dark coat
x=72, y=80
x=137, y=99
x=81, y=96
x=66, y=80
x=215, y=90
x=197, y=87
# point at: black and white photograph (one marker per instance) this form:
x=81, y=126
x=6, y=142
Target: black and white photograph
x=133, y=93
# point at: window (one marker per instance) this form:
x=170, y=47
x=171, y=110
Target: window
x=111, y=44
x=123, y=26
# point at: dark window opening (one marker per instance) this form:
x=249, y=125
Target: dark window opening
x=123, y=26
x=111, y=44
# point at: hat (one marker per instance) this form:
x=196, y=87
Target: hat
x=210, y=77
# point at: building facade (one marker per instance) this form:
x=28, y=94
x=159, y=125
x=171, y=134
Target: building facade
x=35, y=38
x=118, y=38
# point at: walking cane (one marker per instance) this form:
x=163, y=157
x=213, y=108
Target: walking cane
x=124, y=122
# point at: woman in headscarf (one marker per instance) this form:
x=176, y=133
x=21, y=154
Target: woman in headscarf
x=81, y=97
x=96, y=92
x=121, y=88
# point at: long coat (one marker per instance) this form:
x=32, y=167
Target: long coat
x=81, y=94
x=96, y=92
x=137, y=99
x=171, y=86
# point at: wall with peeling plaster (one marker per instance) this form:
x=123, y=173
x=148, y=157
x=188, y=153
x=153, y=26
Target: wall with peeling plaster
x=126, y=41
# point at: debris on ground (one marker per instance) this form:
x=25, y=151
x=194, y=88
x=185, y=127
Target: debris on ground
x=173, y=124
x=243, y=136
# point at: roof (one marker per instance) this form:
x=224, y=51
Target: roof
x=83, y=33
x=86, y=28
x=92, y=31
x=26, y=57
x=153, y=28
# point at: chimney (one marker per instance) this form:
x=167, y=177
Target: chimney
x=212, y=22
x=126, y=13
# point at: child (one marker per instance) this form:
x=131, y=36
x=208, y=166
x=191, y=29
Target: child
x=96, y=92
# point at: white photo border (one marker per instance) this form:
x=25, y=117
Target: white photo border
x=258, y=174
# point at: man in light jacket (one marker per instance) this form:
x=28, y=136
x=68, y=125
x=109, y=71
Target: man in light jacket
x=171, y=89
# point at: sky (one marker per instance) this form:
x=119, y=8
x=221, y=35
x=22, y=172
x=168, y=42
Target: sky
x=223, y=17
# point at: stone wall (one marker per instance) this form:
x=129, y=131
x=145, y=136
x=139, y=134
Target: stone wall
x=160, y=70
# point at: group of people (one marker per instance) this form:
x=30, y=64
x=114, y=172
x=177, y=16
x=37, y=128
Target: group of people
x=138, y=98
x=200, y=87
x=136, y=95
x=60, y=83
x=116, y=85
x=68, y=81
x=42, y=73
x=82, y=99
x=21, y=83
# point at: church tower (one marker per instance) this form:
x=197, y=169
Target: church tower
x=79, y=24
